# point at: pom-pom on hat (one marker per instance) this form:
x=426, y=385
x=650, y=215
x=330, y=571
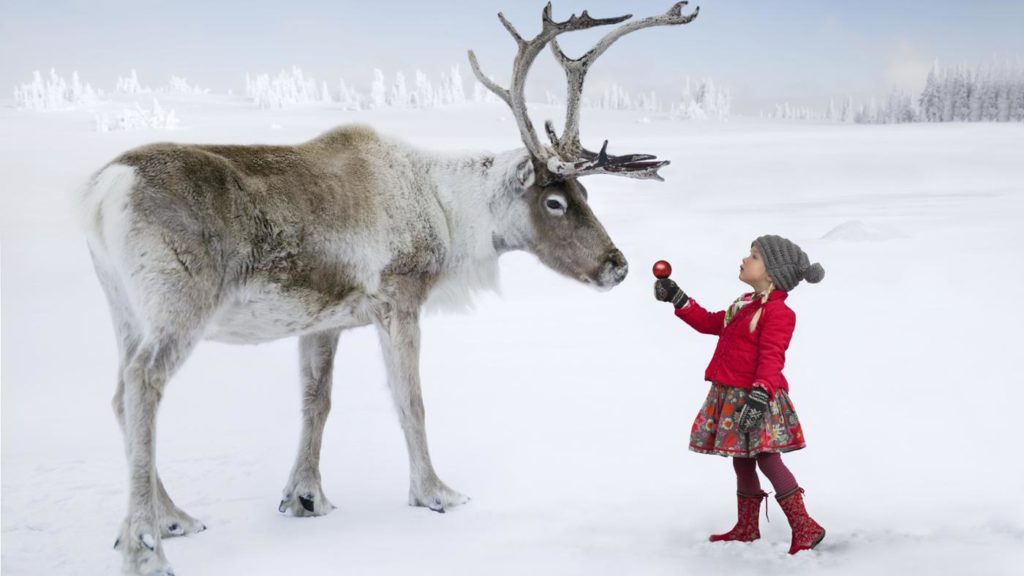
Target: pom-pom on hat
x=786, y=263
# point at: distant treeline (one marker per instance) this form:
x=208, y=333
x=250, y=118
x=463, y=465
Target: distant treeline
x=988, y=93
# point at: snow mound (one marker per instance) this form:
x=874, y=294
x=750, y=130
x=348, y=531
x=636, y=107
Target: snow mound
x=859, y=231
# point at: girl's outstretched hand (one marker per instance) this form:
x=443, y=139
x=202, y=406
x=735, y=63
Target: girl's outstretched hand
x=753, y=411
x=667, y=290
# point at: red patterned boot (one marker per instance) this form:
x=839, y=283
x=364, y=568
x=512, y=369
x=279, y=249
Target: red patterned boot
x=746, y=528
x=806, y=532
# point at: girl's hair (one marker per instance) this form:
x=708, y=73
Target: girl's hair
x=757, y=315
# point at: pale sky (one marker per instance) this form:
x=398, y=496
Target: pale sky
x=766, y=52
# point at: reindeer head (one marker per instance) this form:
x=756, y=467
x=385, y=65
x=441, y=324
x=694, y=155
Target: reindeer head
x=565, y=234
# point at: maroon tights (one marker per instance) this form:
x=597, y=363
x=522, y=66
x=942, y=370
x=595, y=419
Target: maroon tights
x=772, y=467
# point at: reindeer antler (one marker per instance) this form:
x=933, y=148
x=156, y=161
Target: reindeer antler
x=527, y=52
x=639, y=166
x=569, y=159
x=568, y=146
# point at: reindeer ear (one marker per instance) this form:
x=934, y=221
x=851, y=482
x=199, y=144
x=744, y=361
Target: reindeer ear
x=525, y=174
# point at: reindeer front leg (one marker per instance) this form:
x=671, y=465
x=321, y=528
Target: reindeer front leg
x=399, y=332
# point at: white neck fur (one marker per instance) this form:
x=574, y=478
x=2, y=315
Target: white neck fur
x=478, y=194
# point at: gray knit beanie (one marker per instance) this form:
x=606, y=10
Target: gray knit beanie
x=786, y=263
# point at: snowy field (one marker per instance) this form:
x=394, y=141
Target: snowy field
x=563, y=412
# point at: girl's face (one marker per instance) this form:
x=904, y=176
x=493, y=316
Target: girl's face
x=752, y=270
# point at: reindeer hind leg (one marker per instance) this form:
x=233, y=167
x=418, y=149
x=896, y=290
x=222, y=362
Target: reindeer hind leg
x=304, y=495
x=173, y=521
x=168, y=311
x=144, y=380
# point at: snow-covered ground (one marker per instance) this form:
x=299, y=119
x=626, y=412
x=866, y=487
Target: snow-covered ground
x=564, y=413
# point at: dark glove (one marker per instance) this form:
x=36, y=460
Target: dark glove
x=667, y=290
x=752, y=414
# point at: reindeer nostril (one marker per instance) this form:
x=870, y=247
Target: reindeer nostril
x=616, y=265
x=616, y=259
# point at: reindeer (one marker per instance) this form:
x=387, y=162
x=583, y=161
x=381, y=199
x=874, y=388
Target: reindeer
x=248, y=244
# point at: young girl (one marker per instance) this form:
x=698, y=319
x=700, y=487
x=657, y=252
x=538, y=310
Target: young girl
x=748, y=414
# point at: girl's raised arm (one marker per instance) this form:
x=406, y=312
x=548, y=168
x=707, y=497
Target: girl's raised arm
x=700, y=319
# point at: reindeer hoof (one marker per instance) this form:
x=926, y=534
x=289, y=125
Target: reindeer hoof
x=436, y=497
x=307, y=503
x=140, y=547
x=176, y=522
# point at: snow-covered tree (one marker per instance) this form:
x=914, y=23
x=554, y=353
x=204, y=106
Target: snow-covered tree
x=687, y=110
x=705, y=101
x=179, y=85
x=931, y=97
x=454, y=83
x=423, y=95
x=81, y=94
x=897, y=108
x=1003, y=103
x=449, y=90
x=1017, y=98
x=349, y=98
x=984, y=95
x=137, y=118
x=846, y=115
x=946, y=97
x=378, y=94
x=614, y=97
x=649, y=102
x=130, y=85
x=868, y=113
x=53, y=93
x=399, y=94
x=707, y=97
x=900, y=108
x=988, y=94
x=962, y=84
x=283, y=90
x=786, y=111
x=482, y=95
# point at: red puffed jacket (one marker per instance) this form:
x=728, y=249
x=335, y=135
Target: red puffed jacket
x=744, y=358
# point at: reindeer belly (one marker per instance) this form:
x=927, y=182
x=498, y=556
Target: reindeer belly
x=264, y=312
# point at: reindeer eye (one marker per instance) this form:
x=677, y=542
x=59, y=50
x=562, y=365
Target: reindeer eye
x=555, y=205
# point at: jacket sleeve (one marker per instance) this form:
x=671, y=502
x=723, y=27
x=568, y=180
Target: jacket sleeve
x=777, y=326
x=700, y=319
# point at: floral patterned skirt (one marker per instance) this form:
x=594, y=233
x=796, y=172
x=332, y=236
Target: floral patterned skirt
x=714, y=430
